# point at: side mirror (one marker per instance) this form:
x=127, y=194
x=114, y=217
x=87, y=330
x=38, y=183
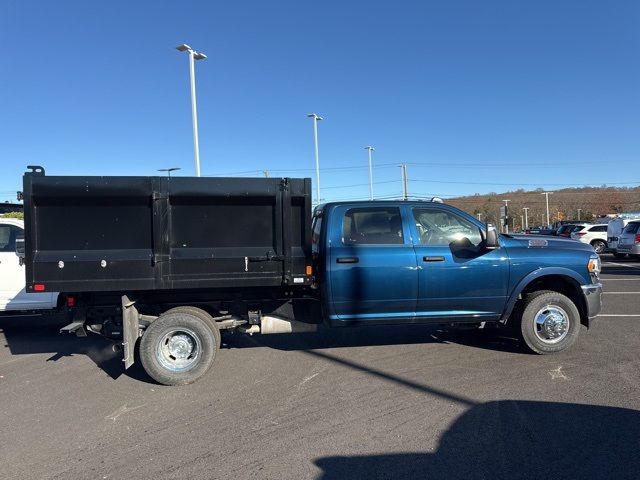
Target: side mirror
x=20, y=250
x=491, y=237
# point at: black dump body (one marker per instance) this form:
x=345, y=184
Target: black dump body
x=114, y=234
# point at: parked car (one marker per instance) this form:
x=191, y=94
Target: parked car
x=594, y=235
x=629, y=242
x=539, y=231
x=615, y=228
x=565, y=230
x=13, y=296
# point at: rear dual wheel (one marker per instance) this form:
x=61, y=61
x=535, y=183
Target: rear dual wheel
x=180, y=346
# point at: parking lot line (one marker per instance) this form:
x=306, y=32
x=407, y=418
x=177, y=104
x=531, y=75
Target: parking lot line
x=620, y=279
x=620, y=315
x=625, y=265
x=621, y=293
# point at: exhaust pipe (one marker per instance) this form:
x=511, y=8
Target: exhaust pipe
x=270, y=325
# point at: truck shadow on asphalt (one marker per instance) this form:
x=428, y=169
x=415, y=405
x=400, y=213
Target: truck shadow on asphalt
x=28, y=335
x=490, y=338
x=513, y=440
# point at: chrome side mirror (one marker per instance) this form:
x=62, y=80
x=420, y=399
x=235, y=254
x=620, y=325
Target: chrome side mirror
x=20, y=250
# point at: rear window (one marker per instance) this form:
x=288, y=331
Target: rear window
x=598, y=228
x=631, y=227
x=578, y=228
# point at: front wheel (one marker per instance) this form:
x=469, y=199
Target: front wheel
x=179, y=347
x=599, y=246
x=550, y=322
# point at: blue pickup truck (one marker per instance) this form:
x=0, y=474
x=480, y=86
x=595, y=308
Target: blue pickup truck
x=167, y=265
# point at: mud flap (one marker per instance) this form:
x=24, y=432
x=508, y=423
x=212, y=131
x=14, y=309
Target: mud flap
x=130, y=331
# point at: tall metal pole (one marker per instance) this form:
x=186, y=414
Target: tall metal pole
x=526, y=217
x=579, y=210
x=315, y=118
x=405, y=188
x=194, y=112
x=506, y=215
x=546, y=194
x=193, y=56
x=371, y=149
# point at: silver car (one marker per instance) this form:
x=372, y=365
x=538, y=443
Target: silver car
x=629, y=240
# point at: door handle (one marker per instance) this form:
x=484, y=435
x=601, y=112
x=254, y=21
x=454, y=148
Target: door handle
x=433, y=259
x=347, y=259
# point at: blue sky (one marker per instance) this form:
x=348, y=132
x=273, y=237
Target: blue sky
x=477, y=96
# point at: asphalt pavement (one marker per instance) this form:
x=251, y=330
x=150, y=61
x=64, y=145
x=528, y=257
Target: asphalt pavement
x=364, y=403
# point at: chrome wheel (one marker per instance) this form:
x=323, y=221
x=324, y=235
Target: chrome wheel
x=551, y=324
x=178, y=350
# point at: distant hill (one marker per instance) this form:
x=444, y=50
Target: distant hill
x=593, y=202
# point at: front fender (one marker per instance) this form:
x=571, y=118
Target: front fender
x=533, y=276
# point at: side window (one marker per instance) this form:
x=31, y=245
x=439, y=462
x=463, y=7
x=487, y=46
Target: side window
x=8, y=235
x=600, y=228
x=441, y=228
x=372, y=226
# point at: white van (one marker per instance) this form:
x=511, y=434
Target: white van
x=13, y=296
x=614, y=230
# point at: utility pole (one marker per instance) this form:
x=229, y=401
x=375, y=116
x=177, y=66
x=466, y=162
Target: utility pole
x=579, y=210
x=546, y=194
x=526, y=217
x=405, y=181
x=371, y=149
x=479, y=215
x=266, y=173
x=506, y=215
x=315, y=118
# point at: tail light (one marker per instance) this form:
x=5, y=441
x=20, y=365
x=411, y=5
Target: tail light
x=580, y=234
x=637, y=238
x=38, y=287
x=71, y=302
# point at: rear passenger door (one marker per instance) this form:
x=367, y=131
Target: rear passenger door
x=373, y=271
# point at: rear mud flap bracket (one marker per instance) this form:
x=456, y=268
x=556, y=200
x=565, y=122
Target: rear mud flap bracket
x=130, y=330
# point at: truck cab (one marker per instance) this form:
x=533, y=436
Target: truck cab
x=13, y=295
x=428, y=262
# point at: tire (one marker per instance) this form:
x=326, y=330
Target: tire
x=599, y=246
x=550, y=322
x=179, y=347
x=198, y=312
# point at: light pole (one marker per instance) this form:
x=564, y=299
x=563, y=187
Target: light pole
x=315, y=118
x=526, y=217
x=371, y=149
x=546, y=194
x=169, y=170
x=405, y=182
x=506, y=214
x=579, y=210
x=193, y=56
x=479, y=215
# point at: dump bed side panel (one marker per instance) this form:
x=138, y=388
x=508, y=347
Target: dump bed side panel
x=141, y=233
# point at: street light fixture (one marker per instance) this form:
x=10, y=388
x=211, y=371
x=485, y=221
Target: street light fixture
x=169, y=170
x=316, y=118
x=193, y=56
x=371, y=149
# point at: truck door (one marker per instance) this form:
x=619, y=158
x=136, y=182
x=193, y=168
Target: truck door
x=373, y=271
x=458, y=278
x=12, y=277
